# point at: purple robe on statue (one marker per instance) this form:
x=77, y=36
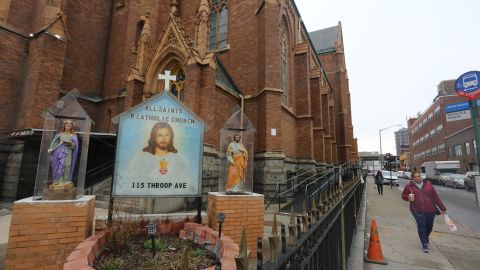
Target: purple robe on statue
x=63, y=157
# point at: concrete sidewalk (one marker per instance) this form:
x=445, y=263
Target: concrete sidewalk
x=399, y=239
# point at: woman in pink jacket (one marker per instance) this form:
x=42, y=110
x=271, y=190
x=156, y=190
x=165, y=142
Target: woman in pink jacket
x=422, y=197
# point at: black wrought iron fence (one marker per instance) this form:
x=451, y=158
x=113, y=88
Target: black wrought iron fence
x=322, y=239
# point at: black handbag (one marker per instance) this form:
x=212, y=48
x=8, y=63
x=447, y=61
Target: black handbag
x=437, y=209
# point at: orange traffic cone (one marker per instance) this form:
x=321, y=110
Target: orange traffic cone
x=374, y=254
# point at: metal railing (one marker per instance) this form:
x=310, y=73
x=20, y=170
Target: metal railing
x=321, y=179
x=324, y=242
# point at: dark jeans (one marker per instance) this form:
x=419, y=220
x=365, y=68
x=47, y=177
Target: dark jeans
x=380, y=188
x=424, y=225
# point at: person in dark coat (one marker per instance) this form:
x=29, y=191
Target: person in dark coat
x=379, y=182
x=422, y=197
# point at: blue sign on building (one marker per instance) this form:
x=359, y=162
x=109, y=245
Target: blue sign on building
x=460, y=106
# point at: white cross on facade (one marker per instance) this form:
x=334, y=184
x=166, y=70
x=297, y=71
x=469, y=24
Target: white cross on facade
x=166, y=79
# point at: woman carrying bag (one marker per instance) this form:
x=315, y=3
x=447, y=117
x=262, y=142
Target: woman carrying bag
x=424, y=204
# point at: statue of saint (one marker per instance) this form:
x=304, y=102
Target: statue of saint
x=237, y=157
x=178, y=86
x=63, y=150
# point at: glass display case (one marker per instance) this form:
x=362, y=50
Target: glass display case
x=63, y=154
x=236, y=155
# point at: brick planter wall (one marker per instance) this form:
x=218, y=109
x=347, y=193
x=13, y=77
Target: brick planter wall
x=85, y=253
x=43, y=233
x=239, y=210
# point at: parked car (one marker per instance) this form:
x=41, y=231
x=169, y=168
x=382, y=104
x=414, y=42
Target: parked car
x=390, y=177
x=407, y=175
x=470, y=180
x=400, y=174
x=442, y=178
x=455, y=180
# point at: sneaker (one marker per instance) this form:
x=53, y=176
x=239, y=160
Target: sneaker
x=425, y=249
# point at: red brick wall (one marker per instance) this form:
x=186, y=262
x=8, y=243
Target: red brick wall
x=42, y=234
x=449, y=128
x=288, y=123
x=239, y=211
x=20, y=14
x=86, y=51
x=42, y=81
x=12, y=65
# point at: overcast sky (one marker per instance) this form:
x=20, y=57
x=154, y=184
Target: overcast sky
x=397, y=52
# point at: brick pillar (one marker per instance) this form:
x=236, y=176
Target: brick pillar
x=239, y=210
x=44, y=233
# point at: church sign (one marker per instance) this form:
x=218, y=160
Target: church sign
x=159, y=150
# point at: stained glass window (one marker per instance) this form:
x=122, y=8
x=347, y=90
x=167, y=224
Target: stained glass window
x=284, y=62
x=218, y=25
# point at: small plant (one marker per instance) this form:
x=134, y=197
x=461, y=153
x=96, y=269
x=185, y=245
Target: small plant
x=199, y=252
x=111, y=264
x=158, y=245
x=122, y=229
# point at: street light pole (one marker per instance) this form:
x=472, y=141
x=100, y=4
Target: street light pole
x=380, y=135
x=381, y=155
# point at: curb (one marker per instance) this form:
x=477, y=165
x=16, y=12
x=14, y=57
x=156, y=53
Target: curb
x=357, y=250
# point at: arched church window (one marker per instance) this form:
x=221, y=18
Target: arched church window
x=177, y=87
x=138, y=33
x=284, y=62
x=218, y=25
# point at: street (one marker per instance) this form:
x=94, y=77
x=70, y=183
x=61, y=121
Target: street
x=461, y=205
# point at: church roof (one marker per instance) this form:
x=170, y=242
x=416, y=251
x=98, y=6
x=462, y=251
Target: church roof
x=223, y=79
x=324, y=39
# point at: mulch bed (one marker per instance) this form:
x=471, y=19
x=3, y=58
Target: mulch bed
x=136, y=257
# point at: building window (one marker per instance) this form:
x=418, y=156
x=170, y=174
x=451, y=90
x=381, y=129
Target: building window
x=138, y=33
x=437, y=110
x=439, y=127
x=430, y=116
x=474, y=146
x=441, y=148
x=284, y=62
x=458, y=150
x=218, y=25
x=434, y=150
x=450, y=154
x=467, y=148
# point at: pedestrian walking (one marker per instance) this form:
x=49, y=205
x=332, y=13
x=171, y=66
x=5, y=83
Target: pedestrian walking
x=424, y=204
x=379, y=182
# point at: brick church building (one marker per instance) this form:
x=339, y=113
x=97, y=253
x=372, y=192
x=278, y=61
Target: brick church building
x=293, y=84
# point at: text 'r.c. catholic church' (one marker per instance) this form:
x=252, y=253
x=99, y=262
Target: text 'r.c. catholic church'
x=293, y=84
